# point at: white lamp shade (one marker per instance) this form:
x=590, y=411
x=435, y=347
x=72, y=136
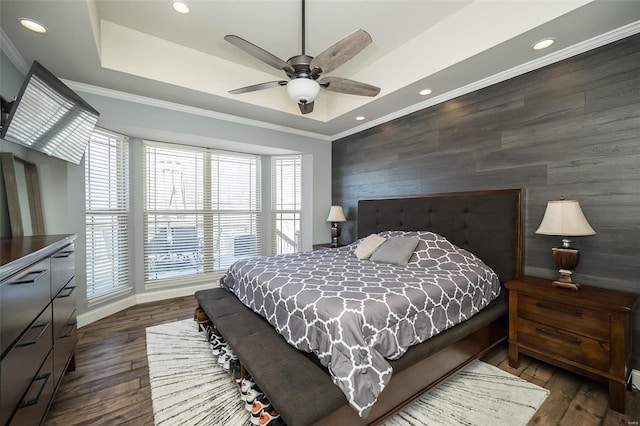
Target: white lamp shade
x=336, y=214
x=564, y=218
x=303, y=90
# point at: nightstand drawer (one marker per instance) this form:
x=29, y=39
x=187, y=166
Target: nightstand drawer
x=577, y=319
x=563, y=344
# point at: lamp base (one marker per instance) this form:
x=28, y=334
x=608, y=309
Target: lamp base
x=572, y=286
x=567, y=260
x=335, y=235
x=564, y=284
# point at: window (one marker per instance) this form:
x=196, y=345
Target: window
x=286, y=203
x=107, y=215
x=201, y=211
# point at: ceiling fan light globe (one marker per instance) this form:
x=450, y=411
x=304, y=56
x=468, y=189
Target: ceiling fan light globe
x=303, y=90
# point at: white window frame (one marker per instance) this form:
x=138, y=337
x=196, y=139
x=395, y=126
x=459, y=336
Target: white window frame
x=209, y=221
x=291, y=216
x=107, y=207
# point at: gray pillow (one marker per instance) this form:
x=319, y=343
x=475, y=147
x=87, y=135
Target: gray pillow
x=397, y=250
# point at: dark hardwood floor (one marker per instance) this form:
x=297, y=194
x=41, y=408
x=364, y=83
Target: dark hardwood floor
x=111, y=383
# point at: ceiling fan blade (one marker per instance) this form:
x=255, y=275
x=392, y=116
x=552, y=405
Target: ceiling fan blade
x=350, y=87
x=306, y=108
x=261, y=86
x=259, y=53
x=343, y=50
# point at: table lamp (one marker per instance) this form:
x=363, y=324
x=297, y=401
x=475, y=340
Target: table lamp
x=565, y=218
x=335, y=215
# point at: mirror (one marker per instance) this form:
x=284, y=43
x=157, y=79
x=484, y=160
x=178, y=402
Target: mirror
x=23, y=196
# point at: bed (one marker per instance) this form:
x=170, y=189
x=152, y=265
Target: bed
x=487, y=224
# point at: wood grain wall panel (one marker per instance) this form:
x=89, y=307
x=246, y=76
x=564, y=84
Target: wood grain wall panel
x=624, y=91
x=570, y=129
x=468, y=180
x=368, y=165
x=609, y=168
x=543, y=110
x=569, y=77
x=593, y=146
x=438, y=165
x=467, y=139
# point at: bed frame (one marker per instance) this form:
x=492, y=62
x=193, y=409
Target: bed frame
x=487, y=223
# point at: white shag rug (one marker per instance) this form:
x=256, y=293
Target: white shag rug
x=189, y=388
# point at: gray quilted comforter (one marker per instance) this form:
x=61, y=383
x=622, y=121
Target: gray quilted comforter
x=355, y=314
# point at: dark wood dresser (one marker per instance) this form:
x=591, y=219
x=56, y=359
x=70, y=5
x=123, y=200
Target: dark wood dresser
x=37, y=323
x=588, y=331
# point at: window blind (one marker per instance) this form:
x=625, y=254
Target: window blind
x=286, y=196
x=107, y=214
x=201, y=214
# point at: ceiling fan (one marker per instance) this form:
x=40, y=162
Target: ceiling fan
x=304, y=70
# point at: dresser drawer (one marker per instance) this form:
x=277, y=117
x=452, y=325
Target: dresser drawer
x=63, y=267
x=22, y=298
x=577, y=319
x=63, y=306
x=63, y=346
x=563, y=344
x=22, y=362
x=35, y=402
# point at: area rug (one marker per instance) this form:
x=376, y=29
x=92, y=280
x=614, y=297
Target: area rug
x=189, y=388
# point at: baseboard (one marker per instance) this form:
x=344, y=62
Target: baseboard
x=137, y=299
x=106, y=310
x=154, y=296
x=635, y=379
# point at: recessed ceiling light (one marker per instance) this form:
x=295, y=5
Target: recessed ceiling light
x=360, y=118
x=32, y=25
x=180, y=7
x=425, y=92
x=543, y=44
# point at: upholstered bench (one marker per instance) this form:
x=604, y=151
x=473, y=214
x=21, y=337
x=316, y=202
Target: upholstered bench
x=300, y=389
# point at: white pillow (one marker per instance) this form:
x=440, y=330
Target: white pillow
x=367, y=246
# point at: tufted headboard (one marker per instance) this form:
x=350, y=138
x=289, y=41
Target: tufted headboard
x=486, y=223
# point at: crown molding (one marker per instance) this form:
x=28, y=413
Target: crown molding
x=568, y=52
x=129, y=97
x=6, y=45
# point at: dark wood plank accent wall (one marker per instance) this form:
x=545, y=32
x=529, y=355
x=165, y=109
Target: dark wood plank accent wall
x=570, y=129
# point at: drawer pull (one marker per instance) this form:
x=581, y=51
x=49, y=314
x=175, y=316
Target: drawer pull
x=35, y=274
x=34, y=401
x=68, y=291
x=569, y=339
x=43, y=328
x=71, y=327
x=559, y=308
x=63, y=254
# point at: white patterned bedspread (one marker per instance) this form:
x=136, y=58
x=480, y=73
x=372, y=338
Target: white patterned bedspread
x=355, y=314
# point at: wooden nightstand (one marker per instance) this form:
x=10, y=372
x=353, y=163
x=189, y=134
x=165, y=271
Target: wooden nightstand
x=324, y=246
x=587, y=331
